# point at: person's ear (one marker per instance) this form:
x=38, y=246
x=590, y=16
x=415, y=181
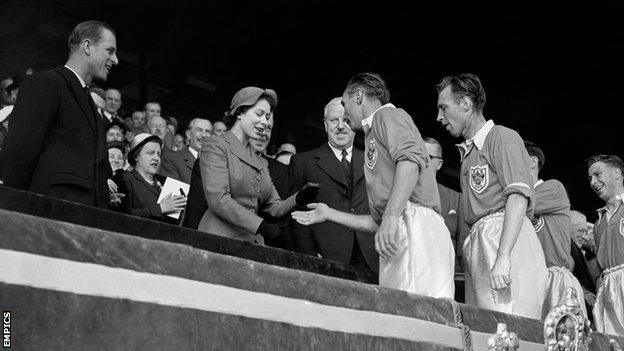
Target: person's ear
x=465, y=104
x=440, y=163
x=359, y=96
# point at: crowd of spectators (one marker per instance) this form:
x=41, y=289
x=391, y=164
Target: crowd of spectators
x=145, y=148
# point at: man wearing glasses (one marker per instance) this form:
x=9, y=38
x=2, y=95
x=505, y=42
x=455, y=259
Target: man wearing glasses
x=451, y=206
x=339, y=168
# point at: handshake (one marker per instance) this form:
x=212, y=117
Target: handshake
x=304, y=196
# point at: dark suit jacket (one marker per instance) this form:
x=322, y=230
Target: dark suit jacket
x=331, y=240
x=56, y=143
x=451, y=211
x=177, y=165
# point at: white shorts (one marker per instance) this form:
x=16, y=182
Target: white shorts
x=426, y=263
x=525, y=295
x=609, y=307
x=559, y=279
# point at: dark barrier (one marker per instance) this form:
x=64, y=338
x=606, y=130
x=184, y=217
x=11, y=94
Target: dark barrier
x=47, y=207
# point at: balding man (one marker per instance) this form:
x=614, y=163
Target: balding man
x=112, y=104
x=179, y=164
x=450, y=203
x=55, y=145
x=157, y=126
x=339, y=168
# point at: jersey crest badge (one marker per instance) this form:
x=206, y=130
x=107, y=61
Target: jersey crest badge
x=479, y=178
x=622, y=226
x=371, y=153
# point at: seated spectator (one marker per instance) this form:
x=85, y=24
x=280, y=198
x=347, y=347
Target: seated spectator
x=152, y=109
x=157, y=126
x=219, y=128
x=172, y=125
x=142, y=185
x=115, y=131
x=581, y=270
x=112, y=104
x=136, y=123
x=117, y=161
x=178, y=165
x=179, y=142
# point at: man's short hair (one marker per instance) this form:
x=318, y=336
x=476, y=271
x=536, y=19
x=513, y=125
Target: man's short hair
x=611, y=160
x=91, y=30
x=465, y=85
x=535, y=151
x=150, y=102
x=432, y=141
x=372, y=84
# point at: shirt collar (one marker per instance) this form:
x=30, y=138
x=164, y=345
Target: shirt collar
x=601, y=211
x=338, y=152
x=194, y=152
x=478, y=140
x=368, y=121
x=82, y=82
x=538, y=183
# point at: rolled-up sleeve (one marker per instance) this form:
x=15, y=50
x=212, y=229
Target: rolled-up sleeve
x=401, y=137
x=513, y=166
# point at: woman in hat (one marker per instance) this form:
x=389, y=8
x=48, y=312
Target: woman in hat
x=141, y=186
x=236, y=181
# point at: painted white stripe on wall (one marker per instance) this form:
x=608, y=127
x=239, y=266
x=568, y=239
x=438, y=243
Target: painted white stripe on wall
x=20, y=268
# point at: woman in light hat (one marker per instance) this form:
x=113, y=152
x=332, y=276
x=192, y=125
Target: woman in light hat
x=236, y=181
x=142, y=185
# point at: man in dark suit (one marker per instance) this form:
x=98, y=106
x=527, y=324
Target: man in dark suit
x=56, y=143
x=450, y=204
x=339, y=168
x=179, y=164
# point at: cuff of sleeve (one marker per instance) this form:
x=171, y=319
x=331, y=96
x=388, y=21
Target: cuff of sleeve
x=155, y=210
x=519, y=188
x=422, y=164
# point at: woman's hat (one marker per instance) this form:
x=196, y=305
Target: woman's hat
x=249, y=96
x=117, y=145
x=139, y=140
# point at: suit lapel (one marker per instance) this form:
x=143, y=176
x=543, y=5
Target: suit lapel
x=357, y=165
x=79, y=95
x=243, y=153
x=189, y=159
x=327, y=161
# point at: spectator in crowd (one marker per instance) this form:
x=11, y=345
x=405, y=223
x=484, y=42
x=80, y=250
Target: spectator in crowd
x=552, y=225
x=8, y=91
x=410, y=236
x=281, y=180
x=117, y=160
x=116, y=155
x=236, y=181
x=115, y=131
x=582, y=272
x=112, y=105
x=339, y=168
x=152, y=109
x=142, y=185
x=56, y=143
x=179, y=142
x=157, y=126
x=285, y=152
x=505, y=265
x=99, y=97
x=179, y=165
x=451, y=205
x=137, y=123
x=606, y=176
x=219, y=128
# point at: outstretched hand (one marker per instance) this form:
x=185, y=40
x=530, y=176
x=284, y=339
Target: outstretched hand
x=319, y=214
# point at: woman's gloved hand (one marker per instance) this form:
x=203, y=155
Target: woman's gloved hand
x=307, y=193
